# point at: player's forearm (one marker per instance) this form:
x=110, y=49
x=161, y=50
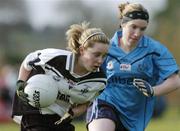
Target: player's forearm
x=80, y=109
x=23, y=73
x=169, y=85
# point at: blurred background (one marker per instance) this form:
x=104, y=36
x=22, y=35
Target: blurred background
x=28, y=25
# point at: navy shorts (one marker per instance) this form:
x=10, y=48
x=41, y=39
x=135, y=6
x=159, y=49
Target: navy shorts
x=102, y=109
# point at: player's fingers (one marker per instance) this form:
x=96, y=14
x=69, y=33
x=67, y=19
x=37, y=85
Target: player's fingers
x=145, y=93
x=140, y=84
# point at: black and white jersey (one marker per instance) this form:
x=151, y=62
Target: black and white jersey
x=73, y=89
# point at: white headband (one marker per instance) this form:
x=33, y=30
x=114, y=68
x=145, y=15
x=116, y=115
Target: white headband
x=96, y=33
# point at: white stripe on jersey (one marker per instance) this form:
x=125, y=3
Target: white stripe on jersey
x=50, y=68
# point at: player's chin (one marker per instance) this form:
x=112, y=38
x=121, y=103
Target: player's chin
x=95, y=68
x=134, y=41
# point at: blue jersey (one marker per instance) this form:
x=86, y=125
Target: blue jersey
x=151, y=61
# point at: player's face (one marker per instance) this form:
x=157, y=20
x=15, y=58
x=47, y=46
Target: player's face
x=133, y=30
x=93, y=57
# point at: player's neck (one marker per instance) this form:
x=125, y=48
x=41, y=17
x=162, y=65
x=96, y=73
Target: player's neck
x=125, y=46
x=79, y=68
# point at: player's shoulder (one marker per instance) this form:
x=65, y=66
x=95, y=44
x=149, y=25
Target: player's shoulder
x=153, y=45
x=54, y=51
x=50, y=53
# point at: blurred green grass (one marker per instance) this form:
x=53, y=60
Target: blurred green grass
x=170, y=121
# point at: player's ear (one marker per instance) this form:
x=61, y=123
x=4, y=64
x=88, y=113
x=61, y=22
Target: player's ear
x=123, y=25
x=81, y=50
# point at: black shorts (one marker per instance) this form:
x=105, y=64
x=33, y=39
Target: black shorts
x=38, y=122
x=102, y=109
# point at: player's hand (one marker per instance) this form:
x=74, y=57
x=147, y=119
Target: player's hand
x=67, y=118
x=20, y=85
x=144, y=87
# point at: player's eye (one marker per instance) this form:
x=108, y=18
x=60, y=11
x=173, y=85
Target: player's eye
x=134, y=27
x=97, y=54
x=104, y=55
x=143, y=28
x=140, y=28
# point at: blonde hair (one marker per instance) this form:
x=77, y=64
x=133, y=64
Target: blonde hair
x=127, y=7
x=81, y=35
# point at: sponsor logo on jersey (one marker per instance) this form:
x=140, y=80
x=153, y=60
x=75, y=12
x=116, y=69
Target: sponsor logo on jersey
x=85, y=90
x=63, y=97
x=110, y=65
x=142, y=67
x=125, y=67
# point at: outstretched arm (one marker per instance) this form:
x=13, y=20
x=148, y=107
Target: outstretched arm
x=170, y=84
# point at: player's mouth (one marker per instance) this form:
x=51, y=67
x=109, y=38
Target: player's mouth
x=134, y=39
x=95, y=67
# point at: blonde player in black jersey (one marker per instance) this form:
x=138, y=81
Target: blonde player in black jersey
x=80, y=74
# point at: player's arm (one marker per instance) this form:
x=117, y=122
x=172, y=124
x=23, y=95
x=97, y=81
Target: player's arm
x=21, y=83
x=79, y=109
x=167, y=70
x=23, y=75
x=72, y=113
x=170, y=84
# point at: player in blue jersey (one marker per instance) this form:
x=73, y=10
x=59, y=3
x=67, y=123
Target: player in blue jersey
x=138, y=69
x=80, y=75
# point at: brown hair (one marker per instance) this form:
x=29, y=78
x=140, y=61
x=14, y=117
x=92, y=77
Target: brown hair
x=81, y=35
x=127, y=7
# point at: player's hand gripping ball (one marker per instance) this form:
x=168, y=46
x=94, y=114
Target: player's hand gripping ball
x=20, y=85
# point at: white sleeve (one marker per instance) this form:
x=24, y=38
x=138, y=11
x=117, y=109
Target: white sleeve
x=41, y=57
x=32, y=56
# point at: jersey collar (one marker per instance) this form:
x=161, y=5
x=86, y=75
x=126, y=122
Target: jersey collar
x=70, y=62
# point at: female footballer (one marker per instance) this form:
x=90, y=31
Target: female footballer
x=80, y=73
x=138, y=69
